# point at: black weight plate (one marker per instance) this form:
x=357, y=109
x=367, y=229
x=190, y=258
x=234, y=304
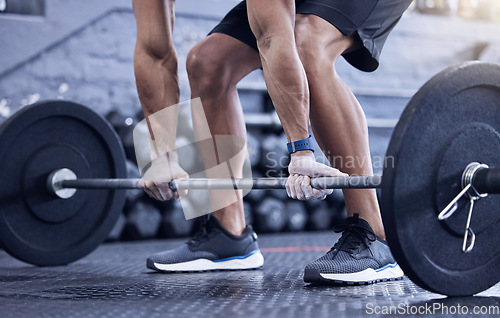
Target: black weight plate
x=453, y=119
x=35, y=226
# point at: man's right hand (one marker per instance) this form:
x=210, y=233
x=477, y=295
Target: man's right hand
x=302, y=168
x=156, y=179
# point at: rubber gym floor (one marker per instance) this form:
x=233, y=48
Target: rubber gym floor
x=113, y=281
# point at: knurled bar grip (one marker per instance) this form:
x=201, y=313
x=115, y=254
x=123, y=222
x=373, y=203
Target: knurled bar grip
x=359, y=182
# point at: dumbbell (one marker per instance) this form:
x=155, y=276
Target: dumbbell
x=248, y=210
x=337, y=207
x=274, y=157
x=270, y=216
x=173, y=222
x=320, y=216
x=124, y=127
x=127, y=137
x=143, y=220
x=254, y=148
x=119, y=121
x=116, y=232
x=297, y=216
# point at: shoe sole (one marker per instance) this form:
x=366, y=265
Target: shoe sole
x=253, y=260
x=390, y=272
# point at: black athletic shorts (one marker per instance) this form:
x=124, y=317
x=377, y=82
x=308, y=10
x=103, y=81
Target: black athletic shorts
x=373, y=20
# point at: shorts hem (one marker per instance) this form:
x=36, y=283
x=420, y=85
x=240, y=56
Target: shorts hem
x=229, y=29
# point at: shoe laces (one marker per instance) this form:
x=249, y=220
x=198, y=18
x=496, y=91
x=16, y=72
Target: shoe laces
x=202, y=234
x=353, y=235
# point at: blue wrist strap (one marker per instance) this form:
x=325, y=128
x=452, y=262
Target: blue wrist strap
x=304, y=144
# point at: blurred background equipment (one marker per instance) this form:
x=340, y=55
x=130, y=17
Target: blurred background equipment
x=248, y=209
x=320, y=216
x=23, y=7
x=296, y=216
x=442, y=7
x=173, y=223
x=270, y=216
x=142, y=221
x=132, y=195
x=486, y=10
x=116, y=232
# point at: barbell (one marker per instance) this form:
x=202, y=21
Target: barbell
x=441, y=225
x=483, y=180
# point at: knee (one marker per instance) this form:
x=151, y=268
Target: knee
x=311, y=52
x=207, y=72
x=317, y=51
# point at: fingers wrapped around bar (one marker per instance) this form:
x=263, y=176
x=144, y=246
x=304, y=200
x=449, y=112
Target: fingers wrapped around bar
x=302, y=169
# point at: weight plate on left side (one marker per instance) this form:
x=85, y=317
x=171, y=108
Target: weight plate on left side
x=35, y=225
x=453, y=120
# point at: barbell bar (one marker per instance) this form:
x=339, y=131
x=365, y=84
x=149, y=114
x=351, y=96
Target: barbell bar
x=486, y=180
x=56, y=181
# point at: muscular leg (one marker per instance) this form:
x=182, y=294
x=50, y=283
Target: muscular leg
x=337, y=119
x=215, y=66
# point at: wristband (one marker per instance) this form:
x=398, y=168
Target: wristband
x=304, y=144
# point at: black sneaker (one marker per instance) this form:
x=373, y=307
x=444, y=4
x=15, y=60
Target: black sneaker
x=359, y=257
x=211, y=248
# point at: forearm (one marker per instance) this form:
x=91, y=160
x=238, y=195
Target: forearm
x=155, y=67
x=283, y=71
x=156, y=80
x=287, y=85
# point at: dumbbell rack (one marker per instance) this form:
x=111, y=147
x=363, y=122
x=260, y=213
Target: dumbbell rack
x=268, y=211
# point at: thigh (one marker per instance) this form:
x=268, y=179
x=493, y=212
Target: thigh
x=368, y=21
x=267, y=20
x=155, y=22
x=316, y=35
x=222, y=55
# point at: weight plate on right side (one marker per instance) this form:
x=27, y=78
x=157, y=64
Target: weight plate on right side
x=452, y=120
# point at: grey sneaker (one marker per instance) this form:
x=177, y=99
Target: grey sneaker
x=211, y=248
x=359, y=257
